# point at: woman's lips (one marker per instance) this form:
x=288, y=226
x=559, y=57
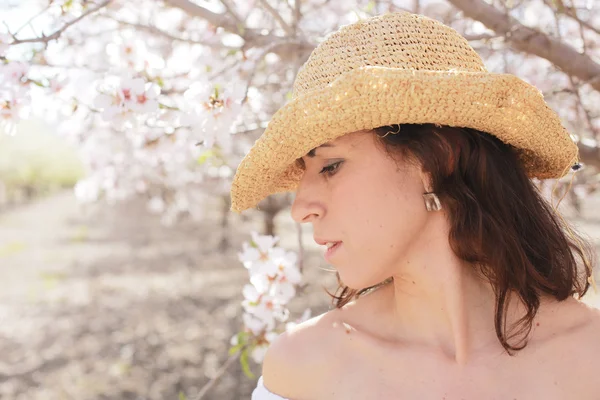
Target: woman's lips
x=332, y=250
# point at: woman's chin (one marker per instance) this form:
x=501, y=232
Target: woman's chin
x=358, y=282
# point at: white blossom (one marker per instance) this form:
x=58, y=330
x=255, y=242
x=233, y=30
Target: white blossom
x=124, y=97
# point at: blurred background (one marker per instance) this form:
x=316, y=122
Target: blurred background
x=121, y=125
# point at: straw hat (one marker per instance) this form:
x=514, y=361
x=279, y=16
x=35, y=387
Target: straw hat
x=393, y=69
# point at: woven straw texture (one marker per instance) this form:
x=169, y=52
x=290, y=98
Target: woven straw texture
x=392, y=69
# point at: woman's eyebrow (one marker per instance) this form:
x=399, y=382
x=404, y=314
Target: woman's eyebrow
x=312, y=152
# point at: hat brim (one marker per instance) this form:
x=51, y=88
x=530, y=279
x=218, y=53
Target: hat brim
x=368, y=97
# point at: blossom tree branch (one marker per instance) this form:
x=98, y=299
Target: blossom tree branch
x=589, y=155
x=576, y=86
x=30, y=20
x=231, y=12
x=252, y=37
x=533, y=41
x=201, y=12
x=479, y=36
x=297, y=16
x=302, y=54
x=286, y=27
x=213, y=382
x=46, y=39
x=571, y=12
x=167, y=35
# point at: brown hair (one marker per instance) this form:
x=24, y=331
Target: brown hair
x=499, y=221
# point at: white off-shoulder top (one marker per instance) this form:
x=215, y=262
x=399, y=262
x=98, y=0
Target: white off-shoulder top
x=262, y=393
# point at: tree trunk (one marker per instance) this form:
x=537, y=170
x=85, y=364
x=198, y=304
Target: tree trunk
x=270, y=207
x=224, y=244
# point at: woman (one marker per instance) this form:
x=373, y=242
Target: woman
x=412, y=164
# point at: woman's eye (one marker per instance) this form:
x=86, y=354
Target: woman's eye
x=330, y=169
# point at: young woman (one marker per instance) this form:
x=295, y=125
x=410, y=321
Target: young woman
x=413, y=165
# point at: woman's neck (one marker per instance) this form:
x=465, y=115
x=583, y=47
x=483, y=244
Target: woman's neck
x=451, y=312
x=440, y=301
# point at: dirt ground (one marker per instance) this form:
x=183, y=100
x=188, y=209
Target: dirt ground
x=106, y=303
x=110, y=304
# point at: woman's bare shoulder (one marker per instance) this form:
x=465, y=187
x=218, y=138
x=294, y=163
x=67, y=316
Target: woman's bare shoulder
x=302, y=359
x=579, y=350
x=572, y=332
x=589, y=328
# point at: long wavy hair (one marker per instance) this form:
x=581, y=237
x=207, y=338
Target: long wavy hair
x=499, y=221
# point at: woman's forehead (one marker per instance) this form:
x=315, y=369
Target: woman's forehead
x=347, y=141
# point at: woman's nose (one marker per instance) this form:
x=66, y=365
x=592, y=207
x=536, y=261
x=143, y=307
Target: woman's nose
x=306, y=206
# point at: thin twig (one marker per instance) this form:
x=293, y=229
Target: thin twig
x=572, y=12
x=297, y=16
x=417, y=7
x=260, y=57
x=231, y=12
x=532, y=41
x=296, y=12
x=56, y=34
x=575, y=87
x=223, y=70
x=210, y=384
x=273, y=49
x=581, y=32
x=30, y=20
x=158, y=32
x=67, y=67
x=479, y=36
x=586, y=112
x=222, y=20
x=286, y=27
x=300, y=247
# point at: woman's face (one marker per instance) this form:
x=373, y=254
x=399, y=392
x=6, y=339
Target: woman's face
x=353, y=192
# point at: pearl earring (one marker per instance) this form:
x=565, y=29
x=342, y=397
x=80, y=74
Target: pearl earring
x=432, y=201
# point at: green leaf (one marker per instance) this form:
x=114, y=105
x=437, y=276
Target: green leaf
x=208, y=154
x=242, y=337
x=242, y=340
x=12, y=248
x=235, y=349
x=166, y=107
x=370, y=7
x=182, y=396
x=37, y=83
x=241, y=29
x=245, y=365
x=52, y=279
